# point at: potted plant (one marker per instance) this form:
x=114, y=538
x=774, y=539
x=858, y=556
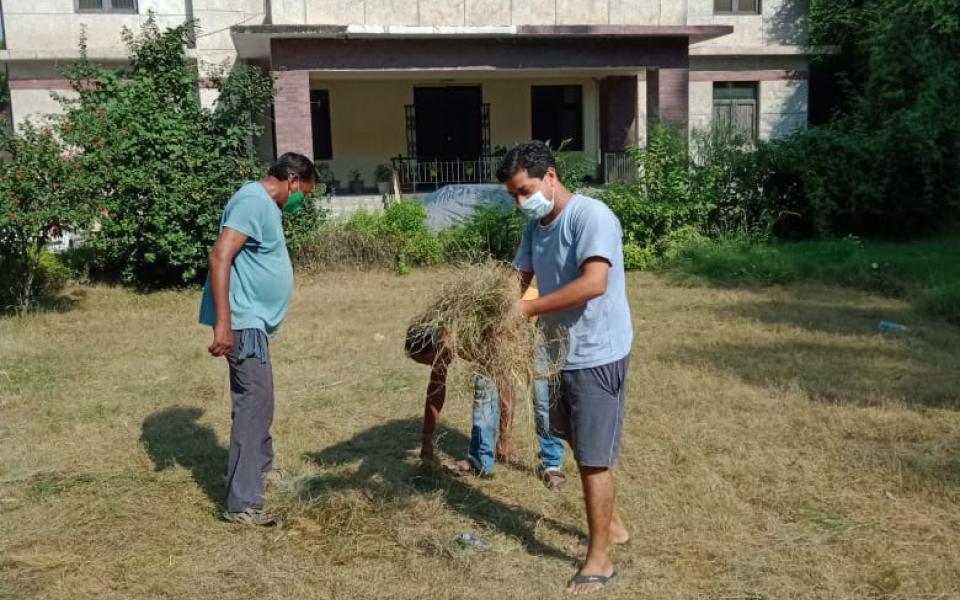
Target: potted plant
x=327, y=178
x=383, y=175
x=356, y=184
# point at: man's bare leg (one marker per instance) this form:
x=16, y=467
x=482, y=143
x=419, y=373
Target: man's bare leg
x=619, y=535
x=601, y=520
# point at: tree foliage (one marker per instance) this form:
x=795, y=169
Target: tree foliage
x=158, y=164
x=38, y=201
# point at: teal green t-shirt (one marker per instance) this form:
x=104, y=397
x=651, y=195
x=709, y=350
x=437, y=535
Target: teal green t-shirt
x=261, y=278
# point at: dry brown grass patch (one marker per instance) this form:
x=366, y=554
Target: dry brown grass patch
x=776, y=446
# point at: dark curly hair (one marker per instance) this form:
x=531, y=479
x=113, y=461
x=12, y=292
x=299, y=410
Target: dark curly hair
x=534, y=158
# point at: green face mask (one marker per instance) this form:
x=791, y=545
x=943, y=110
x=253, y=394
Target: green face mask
x=294, y=203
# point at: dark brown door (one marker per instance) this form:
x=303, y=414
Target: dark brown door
x=449, y=124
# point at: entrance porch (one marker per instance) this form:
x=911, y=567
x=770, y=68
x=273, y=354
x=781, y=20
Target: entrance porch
x=437, y=107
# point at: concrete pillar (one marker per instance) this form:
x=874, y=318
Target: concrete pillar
x=668, y=96
x=291, y=113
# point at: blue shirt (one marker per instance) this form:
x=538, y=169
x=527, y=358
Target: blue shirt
x=598, y=332
x=261, y=277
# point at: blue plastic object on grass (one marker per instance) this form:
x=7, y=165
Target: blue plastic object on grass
x=891, y=326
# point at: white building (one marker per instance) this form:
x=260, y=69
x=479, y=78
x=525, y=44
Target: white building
x=435, y=86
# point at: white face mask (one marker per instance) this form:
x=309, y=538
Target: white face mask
x=537, y=206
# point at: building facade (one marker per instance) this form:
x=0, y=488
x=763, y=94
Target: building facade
x=436, y=88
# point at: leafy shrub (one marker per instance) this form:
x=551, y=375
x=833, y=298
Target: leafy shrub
x=398, y=237
x=406, y=222
x=661, y=200
x=575, y=168
x=335, y=246
x=491, y=232
x=159, y=165
x=38, y=197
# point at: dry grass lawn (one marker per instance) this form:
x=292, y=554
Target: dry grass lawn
x=777, y=446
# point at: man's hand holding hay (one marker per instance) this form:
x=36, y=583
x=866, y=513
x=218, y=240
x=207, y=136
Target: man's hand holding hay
x=475, y=313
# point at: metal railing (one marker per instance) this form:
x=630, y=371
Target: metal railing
x=413, y=172
x=618, y=166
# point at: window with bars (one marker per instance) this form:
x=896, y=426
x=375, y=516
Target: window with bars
x=735, y=105
x=106, y=6
x=736, y=7
x=557, y=114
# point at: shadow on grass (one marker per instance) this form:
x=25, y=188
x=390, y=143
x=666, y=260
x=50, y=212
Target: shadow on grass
x=821, y=316
x=384, y=467
x=59, y=303
x=173, y=437
x=847, y=361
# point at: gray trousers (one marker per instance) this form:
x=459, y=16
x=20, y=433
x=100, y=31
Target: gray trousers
x=251, y=447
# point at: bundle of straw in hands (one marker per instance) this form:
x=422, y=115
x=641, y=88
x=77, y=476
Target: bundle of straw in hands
x=474, y=312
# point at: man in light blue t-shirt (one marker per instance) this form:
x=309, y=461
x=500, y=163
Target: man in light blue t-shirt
x=573, y=245
x=245, y=300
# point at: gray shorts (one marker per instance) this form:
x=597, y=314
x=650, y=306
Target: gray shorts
x=587, y=412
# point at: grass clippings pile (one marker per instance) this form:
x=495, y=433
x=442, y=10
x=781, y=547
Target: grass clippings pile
x=474, y=313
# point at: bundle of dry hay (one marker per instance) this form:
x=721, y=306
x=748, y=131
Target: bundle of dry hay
x=474, y=314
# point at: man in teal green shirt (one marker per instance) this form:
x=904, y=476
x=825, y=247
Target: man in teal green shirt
x=245, y=299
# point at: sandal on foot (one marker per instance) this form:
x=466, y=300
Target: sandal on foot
x=554, y=479
x=605, y=582
x=464, y=468
x=252, y=516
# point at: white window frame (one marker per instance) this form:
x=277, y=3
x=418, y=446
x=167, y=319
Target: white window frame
x=106, y=7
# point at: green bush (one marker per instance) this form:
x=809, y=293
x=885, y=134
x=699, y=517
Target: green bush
x=405, y=222
x=713, y=188
x=491, y=232
x=575, y=168
x=335, y=246
x=38, y=196
x=49, y=280
x=160, y=166
x=887, y=162
x=398, y=237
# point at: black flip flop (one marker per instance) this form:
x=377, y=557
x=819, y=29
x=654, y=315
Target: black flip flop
x=606, y=582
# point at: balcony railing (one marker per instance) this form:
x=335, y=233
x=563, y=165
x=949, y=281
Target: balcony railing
x=618, y=166
x=418, y=174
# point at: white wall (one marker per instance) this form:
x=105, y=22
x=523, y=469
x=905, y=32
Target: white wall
x=48, y=25
x=783, y=107
x=215, y=48
x=701, y=104
x=780, y=27
x=33, y=105
x=479, y=13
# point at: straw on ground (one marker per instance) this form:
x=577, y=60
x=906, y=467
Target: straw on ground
x=776, y=446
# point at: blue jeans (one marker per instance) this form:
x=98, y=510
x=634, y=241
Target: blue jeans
x=486, y=423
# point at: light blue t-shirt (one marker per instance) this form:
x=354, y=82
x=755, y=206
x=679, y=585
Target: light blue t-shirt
x=598, y=332
x=261, y=278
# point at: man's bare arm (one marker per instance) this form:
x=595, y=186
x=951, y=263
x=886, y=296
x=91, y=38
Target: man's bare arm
x=591, y=283
x=221, y=259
